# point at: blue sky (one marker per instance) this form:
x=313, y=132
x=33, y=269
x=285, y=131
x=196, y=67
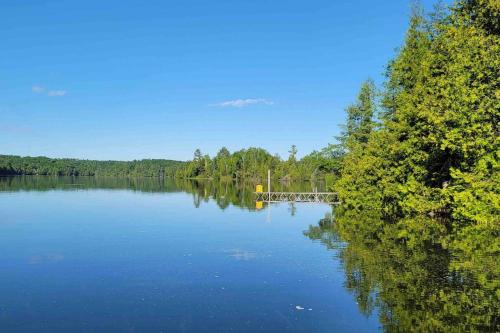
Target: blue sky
x=158, y=79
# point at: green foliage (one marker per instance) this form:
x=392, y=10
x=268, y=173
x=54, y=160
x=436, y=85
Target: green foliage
x=435, y=152
x=16, y=165
x=252, y=164
x=360, y=117
x=484, y=14
x=436, y=149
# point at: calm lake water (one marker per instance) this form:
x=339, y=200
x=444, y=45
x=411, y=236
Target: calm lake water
x=149, y=255
x=120, y=255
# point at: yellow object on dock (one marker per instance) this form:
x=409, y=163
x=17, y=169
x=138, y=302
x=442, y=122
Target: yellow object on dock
x=259, y=189
x=258, y=205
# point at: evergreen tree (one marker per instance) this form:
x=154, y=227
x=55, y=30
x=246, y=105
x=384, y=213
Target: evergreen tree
x=360, y=117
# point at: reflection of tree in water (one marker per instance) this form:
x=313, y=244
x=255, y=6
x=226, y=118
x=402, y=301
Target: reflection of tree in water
x=68, y=183
x=233, y=193
x=224, y=193
x=409, y=278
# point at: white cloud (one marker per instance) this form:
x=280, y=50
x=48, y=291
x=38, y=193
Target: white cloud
x=37, y=89
x=238, y=103
x=53, y=93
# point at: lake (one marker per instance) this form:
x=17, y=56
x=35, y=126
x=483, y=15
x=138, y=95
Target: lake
x=81, y=254
x=149, y=255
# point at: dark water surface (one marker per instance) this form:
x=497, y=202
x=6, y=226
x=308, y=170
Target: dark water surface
x=121, y=255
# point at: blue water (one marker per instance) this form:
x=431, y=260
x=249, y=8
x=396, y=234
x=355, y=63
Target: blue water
x=120, y=260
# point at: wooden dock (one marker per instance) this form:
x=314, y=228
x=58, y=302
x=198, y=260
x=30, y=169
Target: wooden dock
x=318, y=197
x=268, y=196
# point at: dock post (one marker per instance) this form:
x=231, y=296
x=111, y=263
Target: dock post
x=269, y=184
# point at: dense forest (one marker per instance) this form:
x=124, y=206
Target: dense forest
x=253, y=163
x=16, y=165
x=433, y=143
x=247, y=164
x=433, y=146
x=426, y=142
x=419, y=183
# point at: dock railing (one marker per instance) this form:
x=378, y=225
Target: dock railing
x=325, y=197
x=315, y=196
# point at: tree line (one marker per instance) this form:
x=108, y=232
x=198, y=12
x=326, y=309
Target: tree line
x=252, y=164
x=426, y=142
x=16, y=165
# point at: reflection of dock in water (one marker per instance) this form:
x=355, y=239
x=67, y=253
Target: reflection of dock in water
x=318, y=197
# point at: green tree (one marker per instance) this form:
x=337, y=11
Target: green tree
x=292, y=158
x=360, y=117
x=440, y=130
